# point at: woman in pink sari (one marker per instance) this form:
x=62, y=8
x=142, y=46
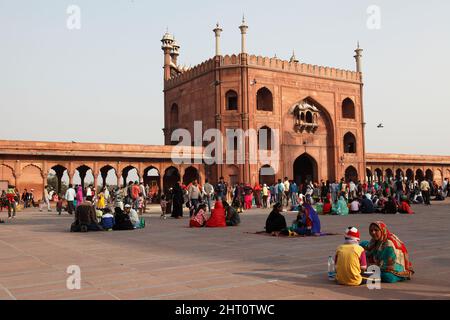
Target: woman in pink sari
x=79, y=195
x=248, y=197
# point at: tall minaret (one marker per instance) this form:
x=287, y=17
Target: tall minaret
x=217, y=32
x=175, y=51
x=167, y=42
x=358, y=57
x=244, y=29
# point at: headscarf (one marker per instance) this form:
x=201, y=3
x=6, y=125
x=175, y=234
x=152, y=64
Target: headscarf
x=342, y=206
x=385, y=236
x=313, y=216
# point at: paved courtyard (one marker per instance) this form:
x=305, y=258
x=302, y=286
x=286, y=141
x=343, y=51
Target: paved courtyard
x=167, y=260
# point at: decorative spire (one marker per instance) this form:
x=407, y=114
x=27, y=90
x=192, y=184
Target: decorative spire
x=293, y=58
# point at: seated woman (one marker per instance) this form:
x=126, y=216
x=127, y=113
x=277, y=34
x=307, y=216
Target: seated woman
x=389, y=253
x=199, y=217
x=405, y=206
x=85, y=219
x=390, y=207
x=327, y=206
x=310, y=222
x=217, y=219
x=275, y=221
x=122, y=220
x=232, y=218
x=341, y=207
x=367, y=204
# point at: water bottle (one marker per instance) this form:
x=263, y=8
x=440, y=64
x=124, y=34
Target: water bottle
x=331, y=269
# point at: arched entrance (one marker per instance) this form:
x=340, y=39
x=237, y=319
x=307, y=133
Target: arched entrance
x=351, y=174
x=389, y=175
x=369, y=175
x=153, y=181
x=58, y=179
x=266, y=175
x=171, y=177
x=378, y=175
x=419, y=175
x=410, y=175
x=305, y=169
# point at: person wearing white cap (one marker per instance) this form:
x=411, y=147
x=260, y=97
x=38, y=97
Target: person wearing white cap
x=134, y=217
x=350, y=259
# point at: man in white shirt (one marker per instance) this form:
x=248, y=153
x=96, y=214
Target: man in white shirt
x=286, y=191
x=134, y=217
x=208, y=191
x=70, y=197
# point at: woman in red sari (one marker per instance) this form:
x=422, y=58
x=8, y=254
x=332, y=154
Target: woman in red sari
x=217, y=218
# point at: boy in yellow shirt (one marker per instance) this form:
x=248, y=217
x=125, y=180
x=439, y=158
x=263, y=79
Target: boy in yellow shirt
x=350, y=259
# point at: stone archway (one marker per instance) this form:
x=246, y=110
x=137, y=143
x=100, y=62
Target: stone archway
x=6, y=177
x=171, y=177
x=419, y=175
x=152, y=179
x=409, y=175
x=378, y=175
x=58, y=179
x=369, y=175
x=351, y=174
x=305, y=169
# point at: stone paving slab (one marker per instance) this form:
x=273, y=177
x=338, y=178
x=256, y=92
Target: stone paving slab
x=168, y=260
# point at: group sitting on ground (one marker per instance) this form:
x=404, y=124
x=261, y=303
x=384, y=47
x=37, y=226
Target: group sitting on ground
x=307, y=222
x=385, y=250
x=87, y=218
x=222, y=215
x=369, y=204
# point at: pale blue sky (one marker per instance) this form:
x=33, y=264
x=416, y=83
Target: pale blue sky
x=103, y=83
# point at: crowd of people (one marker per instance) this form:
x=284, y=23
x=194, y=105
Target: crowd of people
x=122, y=209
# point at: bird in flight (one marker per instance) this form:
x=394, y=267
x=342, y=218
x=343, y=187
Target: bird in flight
x=380, y=126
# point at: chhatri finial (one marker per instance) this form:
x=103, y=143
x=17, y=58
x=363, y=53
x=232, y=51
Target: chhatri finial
x=293, y=58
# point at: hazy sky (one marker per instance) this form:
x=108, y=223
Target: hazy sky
x=103, y=83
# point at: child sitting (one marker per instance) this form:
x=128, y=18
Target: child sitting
x=107, y=220
x=199, y=217
x=350, y=259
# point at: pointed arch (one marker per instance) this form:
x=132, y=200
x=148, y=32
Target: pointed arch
x=264, y=100
x=348, y=109
x=349, y=143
